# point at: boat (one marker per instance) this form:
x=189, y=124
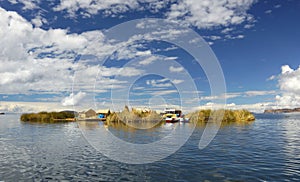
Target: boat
x=173, y=115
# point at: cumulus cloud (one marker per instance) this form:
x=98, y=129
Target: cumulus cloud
x=143, y=53
x=257, y=107
x=159, y=83
x=21, y=107
x=231, y=95
x=174, y=69
x=41, y=60
x=289, y=85
x=211, y=13
x=73, y=99
x=38, y=21
x=27, y=4
x=202, y=14
x=93, y=7
x=148, y=60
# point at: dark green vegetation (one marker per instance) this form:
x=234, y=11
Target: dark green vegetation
x=226, y=116
x=49, y=117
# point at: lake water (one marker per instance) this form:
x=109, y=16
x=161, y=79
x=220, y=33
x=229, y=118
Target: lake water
x=266, y=150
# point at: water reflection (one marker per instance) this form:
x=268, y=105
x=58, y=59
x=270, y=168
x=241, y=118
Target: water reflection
x=89, y=125
x=265, y=150
x=292, y=143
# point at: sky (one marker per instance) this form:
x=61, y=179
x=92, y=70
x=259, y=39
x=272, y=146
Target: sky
x=80, y=54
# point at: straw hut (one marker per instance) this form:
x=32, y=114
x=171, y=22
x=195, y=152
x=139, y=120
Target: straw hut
x=88, y=114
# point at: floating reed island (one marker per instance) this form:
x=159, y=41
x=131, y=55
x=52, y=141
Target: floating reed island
x=49, y=117
x=140, y=118
x=225, y=116
x=151, y=118
x=136, y=118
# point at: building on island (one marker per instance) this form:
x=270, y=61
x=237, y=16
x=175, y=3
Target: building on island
x=103, y=113
x=90, y=114
x=94, y=115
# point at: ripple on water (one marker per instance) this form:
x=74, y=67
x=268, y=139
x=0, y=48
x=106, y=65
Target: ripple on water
x=267, y=150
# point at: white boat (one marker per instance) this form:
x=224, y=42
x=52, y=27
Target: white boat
x=173, y=115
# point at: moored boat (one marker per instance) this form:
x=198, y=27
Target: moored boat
x=173, y=115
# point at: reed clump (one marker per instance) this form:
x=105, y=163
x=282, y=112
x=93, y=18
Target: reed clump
x=134, y=118
x=48, y=117
x=225, y=116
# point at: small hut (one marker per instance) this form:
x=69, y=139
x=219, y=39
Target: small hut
x=90, y=114
x=81, y=114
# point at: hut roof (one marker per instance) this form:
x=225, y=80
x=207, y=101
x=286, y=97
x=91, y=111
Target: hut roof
x=90, y=113
x=103, y=111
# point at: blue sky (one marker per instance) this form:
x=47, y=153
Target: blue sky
x=46, y=43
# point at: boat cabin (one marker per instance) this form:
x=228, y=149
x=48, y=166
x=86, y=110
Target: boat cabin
x=178, y=112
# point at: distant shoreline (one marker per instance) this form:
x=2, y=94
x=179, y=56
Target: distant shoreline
x=282, y=110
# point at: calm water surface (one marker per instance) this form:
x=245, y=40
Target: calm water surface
x=266, y=150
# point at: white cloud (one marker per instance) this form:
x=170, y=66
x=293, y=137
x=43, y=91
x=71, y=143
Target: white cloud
x=174, y=69
x=289, y=80
x=248, y=26
x=93, y=7
x=289, y=84
x=43, y=60
x=73, y=99
x=286, y=69
x=38, y=22
x=273, y=77
x=211, y=13
x=214, y=37
x=177, y=81
x=197, y=13
x=231, y=95
x=232, y=37
x=227, y=30
x=259, y=92
x=163, y=92
x=143, y=53
x=27, y=4
x=159, y=83
x=148, y=60
x=257, y=107
x=202, y=14
x=223, y=96
x=171, y=48
x=277, y=6
x=268, y=11
x=113, y=71
x=22, y=107
x=170, y=58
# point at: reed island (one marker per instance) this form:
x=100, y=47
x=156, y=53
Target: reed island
x=141, y=118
